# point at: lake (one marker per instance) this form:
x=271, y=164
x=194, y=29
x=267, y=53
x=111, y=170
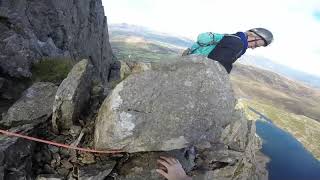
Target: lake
x=289, y=160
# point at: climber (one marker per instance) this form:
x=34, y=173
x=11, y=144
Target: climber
x=171, y=169
x=227, y=48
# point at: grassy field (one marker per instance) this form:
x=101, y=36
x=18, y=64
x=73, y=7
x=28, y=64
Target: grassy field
x=137, y=49
x=304, y=129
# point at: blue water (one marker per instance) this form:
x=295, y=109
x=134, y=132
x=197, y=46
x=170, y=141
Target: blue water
x=289, y=159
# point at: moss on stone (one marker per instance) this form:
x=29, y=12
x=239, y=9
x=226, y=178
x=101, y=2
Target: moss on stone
x=53, y=70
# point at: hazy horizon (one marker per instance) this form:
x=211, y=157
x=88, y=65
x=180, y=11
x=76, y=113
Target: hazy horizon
x=294, y=24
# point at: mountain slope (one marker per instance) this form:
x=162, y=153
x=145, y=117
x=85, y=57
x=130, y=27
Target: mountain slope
x=138, y=49
x=265, y=86
x=125, y=30
x=267, y=64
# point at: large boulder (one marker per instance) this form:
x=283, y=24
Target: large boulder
x=72, y=96
x=33, y=108
x=235, y=156
x=168, y=106
x=31, y=30
x=35, y=105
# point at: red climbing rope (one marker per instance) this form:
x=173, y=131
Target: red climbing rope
x=58, y=144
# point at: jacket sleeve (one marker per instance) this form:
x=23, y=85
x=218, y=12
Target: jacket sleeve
x=227, y=51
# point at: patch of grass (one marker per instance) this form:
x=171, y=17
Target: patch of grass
x=138, y=52
x=53, y=70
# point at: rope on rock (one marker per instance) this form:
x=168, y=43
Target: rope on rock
x=8, y=133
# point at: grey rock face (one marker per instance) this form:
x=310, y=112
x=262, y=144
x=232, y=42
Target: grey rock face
x=96, y=171
x=49, y=177
x=33, y=107
x=12, y=88
x=72, y=95
x=241, y=161
x=2, y=81
x=236, y=157
x=143, y=166
x=15, y=155
x=168, y=106
x=31, y=30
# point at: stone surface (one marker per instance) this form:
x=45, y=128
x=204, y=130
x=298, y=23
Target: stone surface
x=235, y=134
x=49, y=177
x=72, y=96
x=15, y=155
x=122, y=69
x=96, y=171
x=143, y=166
x=170, y=106
x=237, y=157
x=221, y=161
x=12, y=88
x=31, y=30
x=87, y=158
x=2, y=81
x=33, y=107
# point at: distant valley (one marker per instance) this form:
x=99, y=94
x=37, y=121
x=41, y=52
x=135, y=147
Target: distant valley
x=118, y=32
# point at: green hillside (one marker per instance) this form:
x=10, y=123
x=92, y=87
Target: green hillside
x=137, y=49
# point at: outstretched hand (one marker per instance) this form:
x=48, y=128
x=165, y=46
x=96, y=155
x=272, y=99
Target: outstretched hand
x=171, y=169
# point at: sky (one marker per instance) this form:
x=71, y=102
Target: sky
x=295, y=24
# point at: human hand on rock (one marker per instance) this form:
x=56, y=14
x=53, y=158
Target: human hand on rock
x=171, y=169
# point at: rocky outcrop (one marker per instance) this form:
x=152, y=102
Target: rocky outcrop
x=235, y=156
x=12, y=88
x=169, y=106
x=96, y=171
x=231, y=150
x=143, y=166
x=183, y=108
x=31, y=30
x=49, y=177
x=72, y=96
x=122, y=69
x=33, y=107
x=16, y=155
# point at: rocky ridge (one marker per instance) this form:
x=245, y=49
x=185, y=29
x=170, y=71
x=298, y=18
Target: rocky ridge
x=32, y=30
x=227, y=149
x=183, y=108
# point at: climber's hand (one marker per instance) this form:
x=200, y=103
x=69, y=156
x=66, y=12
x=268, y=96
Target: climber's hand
x=171, y=169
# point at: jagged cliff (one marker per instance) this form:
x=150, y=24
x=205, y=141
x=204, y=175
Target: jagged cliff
x=32, y=30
